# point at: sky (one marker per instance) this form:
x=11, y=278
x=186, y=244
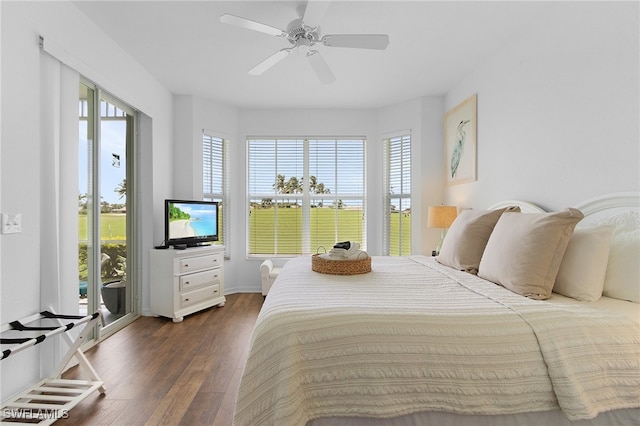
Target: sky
x=113, y=170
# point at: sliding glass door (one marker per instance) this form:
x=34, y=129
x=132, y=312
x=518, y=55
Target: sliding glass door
x=105, y=249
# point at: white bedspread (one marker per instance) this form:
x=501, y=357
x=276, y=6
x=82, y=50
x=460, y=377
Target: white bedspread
x=413, y=335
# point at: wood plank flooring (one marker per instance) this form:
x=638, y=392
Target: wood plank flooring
x=160, y=373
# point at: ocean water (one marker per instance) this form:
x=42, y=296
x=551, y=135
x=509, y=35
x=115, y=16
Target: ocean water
x=203, y=222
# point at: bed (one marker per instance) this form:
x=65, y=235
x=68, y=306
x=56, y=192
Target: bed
x=419, y=341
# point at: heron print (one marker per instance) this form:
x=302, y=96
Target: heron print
x=458, y=147
x=460, y=142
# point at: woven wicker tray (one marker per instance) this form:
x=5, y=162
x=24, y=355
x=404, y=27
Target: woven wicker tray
x=340, y=267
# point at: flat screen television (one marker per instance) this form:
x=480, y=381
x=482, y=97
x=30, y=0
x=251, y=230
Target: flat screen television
x=190, y=222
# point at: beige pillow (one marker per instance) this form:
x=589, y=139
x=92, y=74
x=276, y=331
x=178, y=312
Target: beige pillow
x=467, y=237
x=584, y=265
x=525, y=250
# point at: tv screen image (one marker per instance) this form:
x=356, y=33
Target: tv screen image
x=190, y=222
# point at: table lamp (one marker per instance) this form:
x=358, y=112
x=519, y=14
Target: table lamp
x=441, y=217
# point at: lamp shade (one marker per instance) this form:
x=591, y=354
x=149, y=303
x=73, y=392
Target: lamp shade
x=441, y=216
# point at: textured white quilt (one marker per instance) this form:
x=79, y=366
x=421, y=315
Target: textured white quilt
x=414, y=335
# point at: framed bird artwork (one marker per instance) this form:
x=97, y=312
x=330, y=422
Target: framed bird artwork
x=460, y=142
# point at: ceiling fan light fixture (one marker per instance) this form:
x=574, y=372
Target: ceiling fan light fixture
x=303, y=33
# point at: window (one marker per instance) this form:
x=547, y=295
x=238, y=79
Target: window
x=305, y=194
x=397, y=162
x=215, y=167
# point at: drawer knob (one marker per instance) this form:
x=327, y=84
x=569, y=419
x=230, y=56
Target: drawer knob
x=186, y=265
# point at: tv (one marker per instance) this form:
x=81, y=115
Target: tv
x=190, y=223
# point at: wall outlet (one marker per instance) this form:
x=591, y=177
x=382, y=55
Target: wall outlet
x=11, y=223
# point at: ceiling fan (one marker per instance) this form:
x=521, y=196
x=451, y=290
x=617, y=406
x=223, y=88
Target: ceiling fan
x=304, y=33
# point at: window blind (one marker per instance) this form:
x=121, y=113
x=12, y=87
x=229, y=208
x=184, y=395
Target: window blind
x=215, y=182
x=305, y=194
x=397, y=241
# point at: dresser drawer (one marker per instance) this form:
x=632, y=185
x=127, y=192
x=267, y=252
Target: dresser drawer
x=200, y=279
x=196, y=296
x=199, y=262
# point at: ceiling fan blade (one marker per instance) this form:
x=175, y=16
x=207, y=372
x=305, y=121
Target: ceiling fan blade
x=270, y=61
x=315, y=11
x=360, y=41
x=252, y=25
x=320, y=67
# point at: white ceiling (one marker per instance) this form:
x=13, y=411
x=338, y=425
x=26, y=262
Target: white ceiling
x=433, y=45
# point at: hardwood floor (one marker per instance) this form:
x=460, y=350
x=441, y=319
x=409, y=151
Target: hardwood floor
x=157, y=372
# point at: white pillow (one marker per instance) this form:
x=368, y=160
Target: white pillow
x=622, y=280
x=584, y=265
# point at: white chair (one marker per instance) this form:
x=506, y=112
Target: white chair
x=268, y=274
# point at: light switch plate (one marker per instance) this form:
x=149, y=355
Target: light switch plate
x=11, y=223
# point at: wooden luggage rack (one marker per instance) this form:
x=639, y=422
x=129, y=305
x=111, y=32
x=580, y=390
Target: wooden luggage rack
x=52, y=398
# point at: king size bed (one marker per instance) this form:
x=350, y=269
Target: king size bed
x=459, y=339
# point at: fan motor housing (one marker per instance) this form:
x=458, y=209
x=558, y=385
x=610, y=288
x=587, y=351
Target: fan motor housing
x=297, y=31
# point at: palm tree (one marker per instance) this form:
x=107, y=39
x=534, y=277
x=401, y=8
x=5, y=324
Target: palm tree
x=320, y=189
x=279, y=185
x=121, y=189
x=295, y=186
x=313, y=184
x=82, y=202
x=292, y=186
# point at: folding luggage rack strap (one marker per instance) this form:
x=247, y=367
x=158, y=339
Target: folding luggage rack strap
x=52, y=398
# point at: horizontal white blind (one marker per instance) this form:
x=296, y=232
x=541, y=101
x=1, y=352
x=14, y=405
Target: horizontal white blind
x=212, y=167
x=305, y=193
x=215, y=166
x=398, y=195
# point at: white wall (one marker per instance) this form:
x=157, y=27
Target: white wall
x=558, y=110
x=85, y=48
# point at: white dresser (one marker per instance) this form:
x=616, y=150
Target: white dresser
x=186, y=281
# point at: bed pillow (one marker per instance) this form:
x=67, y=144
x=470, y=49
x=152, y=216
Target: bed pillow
x=467, y=237
x=584, y=265
x=623, y=270
x=524, y=251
